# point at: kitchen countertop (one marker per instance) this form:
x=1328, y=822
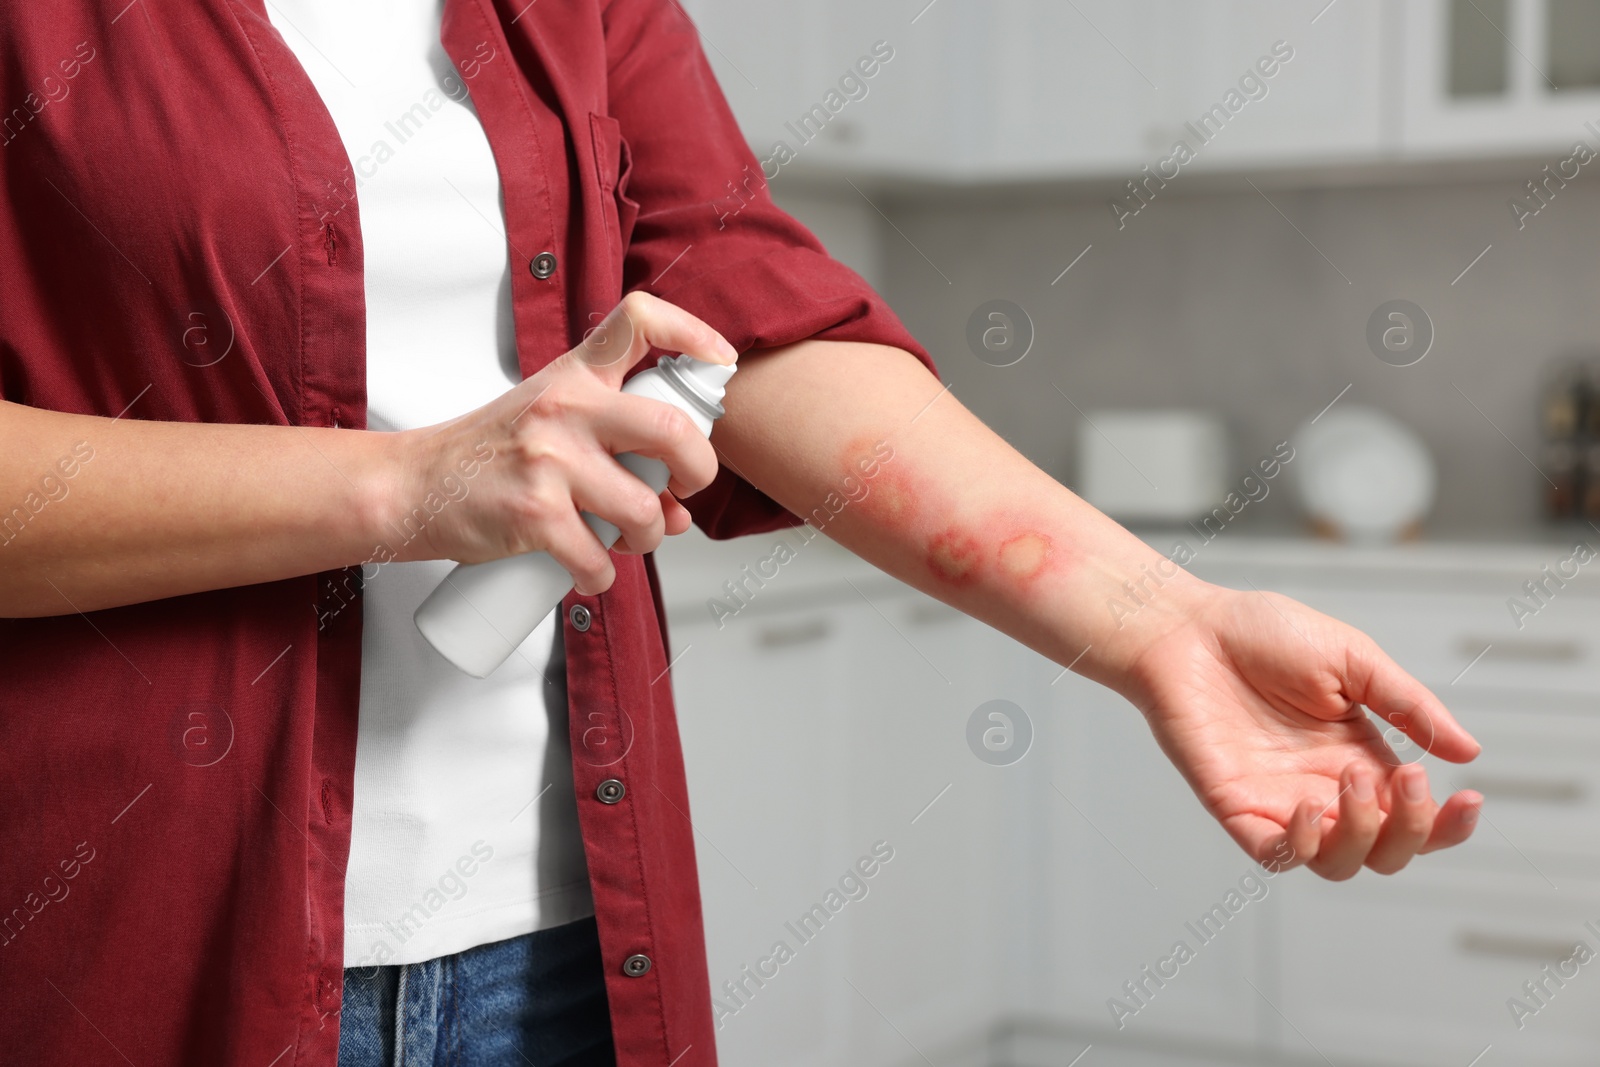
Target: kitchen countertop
x=694, y=568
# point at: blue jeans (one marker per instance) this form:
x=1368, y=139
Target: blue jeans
x=539, y=999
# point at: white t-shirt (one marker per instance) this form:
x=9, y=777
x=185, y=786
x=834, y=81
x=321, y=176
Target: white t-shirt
x=465, y=822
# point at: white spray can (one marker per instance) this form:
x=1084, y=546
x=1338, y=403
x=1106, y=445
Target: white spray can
x=481, y=612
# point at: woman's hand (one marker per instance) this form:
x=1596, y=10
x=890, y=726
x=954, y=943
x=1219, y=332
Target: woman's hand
x=1258, y=702
x=545, y=450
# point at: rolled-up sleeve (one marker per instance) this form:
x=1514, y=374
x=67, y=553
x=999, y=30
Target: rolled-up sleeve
x=708, y=236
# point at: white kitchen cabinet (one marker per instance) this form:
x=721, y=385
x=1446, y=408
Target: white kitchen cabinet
x=1108, y=88
x=943, y=948
x=1539, y=774
x=1018, y=89
x=1326, y=104
x=1420, y=971
x=1009, y=90
x=762, y=706
x=778, y=62
x=1021, y=898
x=1499, y=77
x=1052, y=88
x=1136, y=866
x=919, y=107
x=823, y=719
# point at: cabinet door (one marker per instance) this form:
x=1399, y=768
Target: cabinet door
x=946, y=945
x=1325, y=103
x=793, y=75
x=1500, y=77
x=1106, y=87
x=1539, y=774
x=1423, y=972
x=1063, y=89
x=762, y=707
x=911, y=116
x=1137, y=867
x=1020, y=89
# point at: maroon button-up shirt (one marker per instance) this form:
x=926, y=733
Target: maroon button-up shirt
x=180, y=240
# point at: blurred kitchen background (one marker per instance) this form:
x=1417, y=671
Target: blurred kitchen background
x=1379, y=248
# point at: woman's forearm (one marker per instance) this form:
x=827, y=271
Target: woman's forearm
x=98, y=512
x=1260, y=702
x=953, y=510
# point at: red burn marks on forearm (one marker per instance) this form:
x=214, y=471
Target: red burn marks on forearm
x=955, y=556
x=1005, y=549
x=893, y=502
x=1024, y=556
x=868, y=460
x=959, y=557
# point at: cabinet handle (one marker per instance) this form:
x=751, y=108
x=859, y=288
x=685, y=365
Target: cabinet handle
x=1523, y=651
x=798, y=634
x=1515, y=946
x=1537, y=790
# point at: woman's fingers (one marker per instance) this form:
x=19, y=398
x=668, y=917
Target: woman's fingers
x=1305, y=831
x=674, y=515
x=1298, y=843
x=1455, y=822
x=606, y=488
x=637, y=324
x=574, y=546
x=1405, y=704
x=627, y=423
x=1346, y=846
x=1408, y=824
x=1364, y=835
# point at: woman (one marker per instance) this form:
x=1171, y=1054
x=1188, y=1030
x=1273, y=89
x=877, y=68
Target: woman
x=250, y=416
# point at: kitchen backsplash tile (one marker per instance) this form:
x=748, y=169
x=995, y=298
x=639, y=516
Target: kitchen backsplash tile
x=1216, y=300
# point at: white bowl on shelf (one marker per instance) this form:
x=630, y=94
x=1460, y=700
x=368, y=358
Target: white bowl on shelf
x=1363, y=473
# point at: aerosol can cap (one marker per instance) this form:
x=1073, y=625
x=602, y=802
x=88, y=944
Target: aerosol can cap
x=701, y=381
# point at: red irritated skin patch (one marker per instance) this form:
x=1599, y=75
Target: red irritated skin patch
x=1004, y=549
x=1024, y=557
x=955, y=556
x=959, y=557
x=890, y=495
x=890, y=501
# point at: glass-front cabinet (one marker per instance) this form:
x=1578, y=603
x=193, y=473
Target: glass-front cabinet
x=1507, y=77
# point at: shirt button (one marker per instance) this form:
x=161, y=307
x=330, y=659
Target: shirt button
x=580, y=617
x=609, y=792
x=543, y=265
x=635, y=965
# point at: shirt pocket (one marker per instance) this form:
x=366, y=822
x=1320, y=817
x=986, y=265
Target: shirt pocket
x=613, y=167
